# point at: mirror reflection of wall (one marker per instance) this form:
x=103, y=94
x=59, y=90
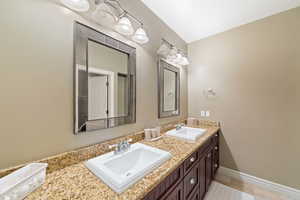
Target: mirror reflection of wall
x=169, y=90
x=107, y=82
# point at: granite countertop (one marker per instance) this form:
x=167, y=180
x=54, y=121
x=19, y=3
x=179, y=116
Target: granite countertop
x=77, y=182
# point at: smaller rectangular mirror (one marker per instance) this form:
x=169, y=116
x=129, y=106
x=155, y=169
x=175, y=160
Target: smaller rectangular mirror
x=169, y=89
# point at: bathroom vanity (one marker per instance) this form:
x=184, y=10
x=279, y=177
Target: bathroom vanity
x=185, y=176
x=191, y=180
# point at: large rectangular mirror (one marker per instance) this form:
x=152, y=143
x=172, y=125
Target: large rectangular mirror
x=104, y=81
x=169, y=89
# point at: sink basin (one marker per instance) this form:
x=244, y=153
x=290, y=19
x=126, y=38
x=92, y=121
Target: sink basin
x=123, y=170
x=187, y=133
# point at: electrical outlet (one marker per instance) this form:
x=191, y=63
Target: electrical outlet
x=207, y=114
x=202, y=113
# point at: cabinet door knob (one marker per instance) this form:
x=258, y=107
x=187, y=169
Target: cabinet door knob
x=216, y=135
x=192, y=181
x=216, y=148
x=216, y=165
x=192, y=159
x=209, y=155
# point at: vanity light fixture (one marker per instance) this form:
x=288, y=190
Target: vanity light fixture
x=124, y=20
x=172, y=54
x=77, y=5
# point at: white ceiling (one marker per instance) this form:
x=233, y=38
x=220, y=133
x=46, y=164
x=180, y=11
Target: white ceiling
x=196, y=19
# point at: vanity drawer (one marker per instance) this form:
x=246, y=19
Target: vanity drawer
x=191, y=181
x=190, y=161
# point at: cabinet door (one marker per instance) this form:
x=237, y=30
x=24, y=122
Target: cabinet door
x=209, y=169
x=176, y=194
x=191, y=182
x=202, y=178
x=195, y=196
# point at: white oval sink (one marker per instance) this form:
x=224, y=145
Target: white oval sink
x=123, y=170
x=187, y=133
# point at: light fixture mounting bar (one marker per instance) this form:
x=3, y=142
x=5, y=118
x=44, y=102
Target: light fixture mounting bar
x=119, y=7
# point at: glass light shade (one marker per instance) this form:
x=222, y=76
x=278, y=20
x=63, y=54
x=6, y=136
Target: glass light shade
x=172, y=54
x=163, y=50
x=184, y=61
x=104, y=15
x=77, y=5
x=124, y=26
x=140, y=36
x=178, y=58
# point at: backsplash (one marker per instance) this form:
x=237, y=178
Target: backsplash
x=66, y=159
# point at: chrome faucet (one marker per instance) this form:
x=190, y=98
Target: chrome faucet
x=121, y=147
x=179, y=126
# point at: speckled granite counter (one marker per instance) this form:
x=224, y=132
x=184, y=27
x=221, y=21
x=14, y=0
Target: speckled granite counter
x=77, y=182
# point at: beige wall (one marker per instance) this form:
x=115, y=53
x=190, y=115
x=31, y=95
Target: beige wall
x=36, y=79
x=254, y=70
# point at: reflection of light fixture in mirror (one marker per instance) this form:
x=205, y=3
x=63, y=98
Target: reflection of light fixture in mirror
x=124, y=26
x=140, y=36
x=178, y=58
x=184, y=61
x=77, y=5
x=172, y=54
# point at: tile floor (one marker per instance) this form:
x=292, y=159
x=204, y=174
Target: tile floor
x=258, y=192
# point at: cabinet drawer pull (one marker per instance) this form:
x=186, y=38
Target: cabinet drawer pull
x=192, y=159
x=216, y=148
x=192, y=181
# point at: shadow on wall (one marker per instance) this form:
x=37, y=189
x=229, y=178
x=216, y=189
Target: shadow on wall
x=226, y=153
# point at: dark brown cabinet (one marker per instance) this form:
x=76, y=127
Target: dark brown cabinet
x=191, y=180
x=202, y=177
x=208, y=169
x=176, y=194
x=195, y=196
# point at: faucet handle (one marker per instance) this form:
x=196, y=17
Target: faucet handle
x=127, y=142
x=180, y=124
x=112, y=146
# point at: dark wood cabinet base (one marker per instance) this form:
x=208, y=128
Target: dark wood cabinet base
x=192, y=179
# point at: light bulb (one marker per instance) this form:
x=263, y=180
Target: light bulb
x=77, y=5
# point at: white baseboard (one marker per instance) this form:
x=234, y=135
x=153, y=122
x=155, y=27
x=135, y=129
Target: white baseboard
x=289, y=192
